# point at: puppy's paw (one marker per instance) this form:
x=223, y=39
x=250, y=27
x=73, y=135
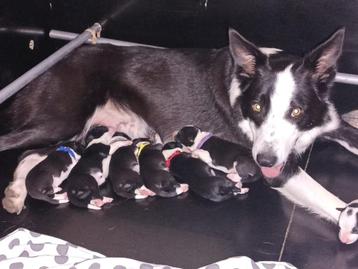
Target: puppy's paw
x=182, y=188
x=15, y=195
x=348, y=223
x=142, y=193
x=62, y=198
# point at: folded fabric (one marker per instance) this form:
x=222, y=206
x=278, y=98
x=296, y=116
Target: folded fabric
x=24, y=249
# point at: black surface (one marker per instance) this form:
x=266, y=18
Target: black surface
x=187, y=231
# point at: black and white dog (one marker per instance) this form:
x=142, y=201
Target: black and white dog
x=155, y=174
x=348, y=223
x=44, y=180
x=271, y=102
x=124, y=169
x=91, y=171
x=201, y=178
x=236, y=159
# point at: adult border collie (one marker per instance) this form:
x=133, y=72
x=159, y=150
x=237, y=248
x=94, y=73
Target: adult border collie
x=264, y=99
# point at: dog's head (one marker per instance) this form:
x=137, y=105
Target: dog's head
x=284, y=100
x=187, y=135
x=348, y=223
x=98, y=134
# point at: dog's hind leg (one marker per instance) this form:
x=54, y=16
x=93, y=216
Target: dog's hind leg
x=306, y=192
x=345, y=135
x=15, y=193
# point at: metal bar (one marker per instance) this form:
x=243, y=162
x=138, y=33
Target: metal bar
x=40, y=68
x=347, y=78
x=62, y=35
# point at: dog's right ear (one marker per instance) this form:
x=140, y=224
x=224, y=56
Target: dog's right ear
x=246, y=55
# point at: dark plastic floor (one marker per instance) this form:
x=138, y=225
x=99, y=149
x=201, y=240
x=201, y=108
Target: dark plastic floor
x=189, y=232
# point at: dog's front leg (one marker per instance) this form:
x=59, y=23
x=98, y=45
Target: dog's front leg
x=345, y=135
x=306, y=192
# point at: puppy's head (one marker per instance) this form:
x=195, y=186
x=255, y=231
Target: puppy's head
x=187, y=135
x=98, y=134
x=284, y=99
x=348, y=223
x=170, y=148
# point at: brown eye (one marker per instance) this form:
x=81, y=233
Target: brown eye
x=256, y=107
x=296, y=112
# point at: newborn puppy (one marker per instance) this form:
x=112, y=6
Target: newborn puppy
x=218, y=153
x=44, y=180
x=203, y=180
x=348, y=223
x=155, y=174
x=86, y=177
x=124, y=169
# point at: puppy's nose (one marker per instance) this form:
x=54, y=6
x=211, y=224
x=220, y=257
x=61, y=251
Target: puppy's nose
x=266, y=159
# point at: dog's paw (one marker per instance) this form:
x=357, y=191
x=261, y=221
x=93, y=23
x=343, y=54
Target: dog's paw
x=348, y=223
x=62, y=198
x=14, y=200
x=182, y=188
x=142, y=193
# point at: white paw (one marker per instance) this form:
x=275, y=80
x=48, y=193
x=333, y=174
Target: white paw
x=348, y=223
x=15, y=195
x=142, y=193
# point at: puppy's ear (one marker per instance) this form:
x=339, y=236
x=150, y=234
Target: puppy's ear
x=323, y=59
x=246, y=55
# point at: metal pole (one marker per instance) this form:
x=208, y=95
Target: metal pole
x=40, y=68
x=347, y=78
x=62, y=35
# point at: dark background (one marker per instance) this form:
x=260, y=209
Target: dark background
x=189, y=232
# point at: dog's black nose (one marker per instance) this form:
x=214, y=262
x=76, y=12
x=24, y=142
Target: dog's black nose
x=266, y=159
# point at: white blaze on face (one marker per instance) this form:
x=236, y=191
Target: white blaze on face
x=234, y=91
x=276, y=134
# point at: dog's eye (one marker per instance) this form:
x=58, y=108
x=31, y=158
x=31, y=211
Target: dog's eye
x=256, y=107
x=296, y=112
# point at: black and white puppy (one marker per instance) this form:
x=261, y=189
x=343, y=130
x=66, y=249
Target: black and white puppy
x=154, y=172
x=348, y=223
x=44, y=180
x=124, y=169
x=203, y=180
x=89, y=173
x=218, y=152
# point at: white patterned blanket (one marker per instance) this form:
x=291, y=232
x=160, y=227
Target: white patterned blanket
x=24, y=249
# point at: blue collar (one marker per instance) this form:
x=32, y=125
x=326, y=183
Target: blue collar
x=67, y=150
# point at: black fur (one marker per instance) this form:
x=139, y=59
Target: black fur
x=39, y=181
x=169, y=89
x=123, y=174
x=223, y=153
x=200, y=177
x=81, y=185
x=155, y=174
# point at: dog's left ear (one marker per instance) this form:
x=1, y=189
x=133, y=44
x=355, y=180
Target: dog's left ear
x=246, y=55
x=323, y=59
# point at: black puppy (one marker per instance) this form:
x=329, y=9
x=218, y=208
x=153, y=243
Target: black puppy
x=44, y=180
x=124, y=169
x=154, y=172
x=236, y=159
x=203, y=180
x=89, y=173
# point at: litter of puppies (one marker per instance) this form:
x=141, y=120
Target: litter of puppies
x=75, y=172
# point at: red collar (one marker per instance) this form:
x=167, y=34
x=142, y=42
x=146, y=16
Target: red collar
x=171, y=157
